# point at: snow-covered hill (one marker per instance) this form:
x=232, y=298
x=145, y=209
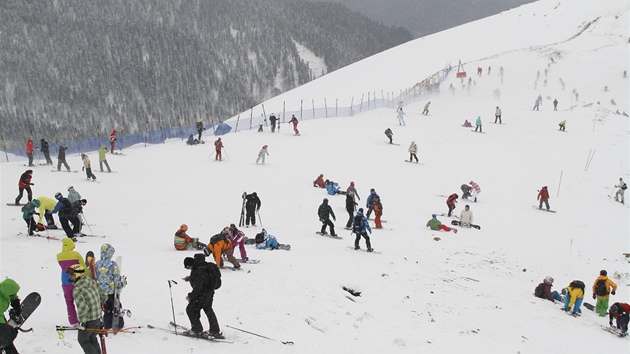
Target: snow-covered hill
x=470, y=291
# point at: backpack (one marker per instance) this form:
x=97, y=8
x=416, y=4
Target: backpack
x=215, y=275
x=27, y=207
x=260, y=237
x=357, y=226
x=540, y=290
x=600, y=288
x=216, y=238
x=624, y=187
x=577, y=284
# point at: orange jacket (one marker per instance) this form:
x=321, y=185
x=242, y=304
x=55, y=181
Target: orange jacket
x=609, y=284
x=218, y=248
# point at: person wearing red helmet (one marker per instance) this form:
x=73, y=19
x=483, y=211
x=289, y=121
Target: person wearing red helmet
x=112, y=139
x=261, y=154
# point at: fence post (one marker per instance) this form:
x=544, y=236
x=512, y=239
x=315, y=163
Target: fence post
x=313, y=103
x=352, y=107
x=337, y=107
x=361, y=105
x=301, y=108
x=237, y=119
x=251, y=117
x=368, y=102
x=284, y=107
x=326, y=107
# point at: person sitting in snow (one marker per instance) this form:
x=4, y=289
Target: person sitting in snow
x=184, y=242
x=265, y=240
x=574, y=298
x=333, y=188
x=435, y=225
x=319, y=182
x=467, y=124
x=466, y=217
x=192, y=141
x=543, y=290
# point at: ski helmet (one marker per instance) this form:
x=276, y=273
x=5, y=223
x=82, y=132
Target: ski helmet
x=184, y=227
x=58, y=195
x=352, y=183
x=433, y=215
x=613, y=309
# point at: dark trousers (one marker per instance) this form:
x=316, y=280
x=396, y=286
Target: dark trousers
x=622, y=323
x=390, y=139
x=250, y=215
x=193, y=310
x=273, y=126
x=412, y=156
x=50, y=221
x=30, y=158
x=29, y=193
x=108, y=313
x=369, y=211
x=367, y=240
x=88, y=173
x=48, y=159
x=479, y=127
x=100, y=163
x=199, y=138
x=450, y=209
x=32, y=226
x=7, y=336
x=350, y=217
x=497, y=118
x=88, y=340
x=60, y=162
x=65, y=224
x=329, y=223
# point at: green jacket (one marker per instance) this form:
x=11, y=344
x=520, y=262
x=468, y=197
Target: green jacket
x=434, y=224
x=88, y=297
x=8, y=292
x=101, y=153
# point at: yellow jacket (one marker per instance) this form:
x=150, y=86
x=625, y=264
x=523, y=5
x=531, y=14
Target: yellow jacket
x=46, y=204
x=574, y=294
x=609, y=284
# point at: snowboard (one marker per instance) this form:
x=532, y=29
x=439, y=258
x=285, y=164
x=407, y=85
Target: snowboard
x=452, y=215
x=117, y=305
x=550, y=211
x=75, y=171
x=364, y=250
x=329, y=235
x=615, y=331
x=477, y=132
x=250, y=261
x=457, y=223
x=28, y=305
x=13, y=204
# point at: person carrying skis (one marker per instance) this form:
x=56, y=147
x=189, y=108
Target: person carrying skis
x=112, y=139
x=450, y=202
x=426, y=108
x=389, y=134
x=478, y=124
x=497, y=115
x=295, y=124
x=543, y=290
x=29, y=152
x=351, y=206
x=543, y=197
x=466, y=217
x=28, y=210
x=319, y=182
x=89, y=298
x=87, y=167
x=619, y=196
x=360, y=227
x=369, y=203
x=102, y=158
x=61, y=158
x=562, y=125
x=378, y=212
x=45, y=148
x=218, y=145
x=466, y=189
x=47, y=205
x=220, y=244
x=183, y=242
x=252, y=206
x=9, y=297
x=66, y=258
x=603, y=287
x=200, y=128
x=401, y=116
x=435, y=225
x=413, y=149
x=621, y=312
x=204, y=279
x=238, y=239
x=273, y=119
x=574, y=297
x=261, y=154
x=325, y=212
x=108, y=277
x=475, y=191
x=24, y=184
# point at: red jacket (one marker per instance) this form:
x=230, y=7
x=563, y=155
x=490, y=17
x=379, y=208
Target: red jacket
x=29, y=146
x=25, y=179
x=451, y=199
x=218, y=144
x=543, y=194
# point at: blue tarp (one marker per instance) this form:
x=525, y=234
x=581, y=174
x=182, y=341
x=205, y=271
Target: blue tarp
x=222, y=128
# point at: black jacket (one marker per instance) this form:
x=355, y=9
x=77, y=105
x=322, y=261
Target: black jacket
x=252, y=202
x=325, y=211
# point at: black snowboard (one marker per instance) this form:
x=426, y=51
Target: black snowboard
x=457, y=222
x=28, y=305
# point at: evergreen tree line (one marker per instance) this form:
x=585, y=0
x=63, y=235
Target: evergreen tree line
x=74, y=69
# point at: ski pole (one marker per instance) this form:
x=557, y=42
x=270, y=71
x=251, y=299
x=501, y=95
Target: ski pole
x=613, y=191
x=172, y=306
x=261, y=336
x=86, y=223
x=226, y=154
x=259, y=219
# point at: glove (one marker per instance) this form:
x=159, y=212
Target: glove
x=83, y=168
x=32, y=184
x=17, y=308
x=612, y=292
x=38, y=215
x=610, y=323
x=594, y=296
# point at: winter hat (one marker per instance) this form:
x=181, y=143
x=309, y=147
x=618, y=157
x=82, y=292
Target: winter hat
x=603, y=272
x=613, y=309
x=264, y=146
x=36, y=202
x=360, y=210
x=433, y=215
x=325, y=200
x=549, y=280
x=352, y=183
x=188, y=262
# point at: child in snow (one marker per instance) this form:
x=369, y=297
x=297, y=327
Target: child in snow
x=603, y=287
x=261, y=154
x=574, y=298
x=435, y=225
x=543, y=290
x=87, y=167
x=621, y=312
x=378, y=212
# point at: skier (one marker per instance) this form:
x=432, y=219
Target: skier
x=73, y=195
x=261, y=154
x=218, y=145
x=45, y=148
x=183, y=242
x=351, y=205
x=325, y=212
x=66, y=258
x=24, y=184
x=108, y=277
x=61, y=158
x=478, y=124
x=450, y=202
x=621, y=312
x=466, y=189
x=295, y=124
x=252, y=206
x=360, y=227
x=389, y=134
x=200, y=128
x=543, y=196
x=378, y=212
x=353, y=190
x=102, y=158
x=475, y=191
x=562, y=125
x=619, y=196
x=369, y=203
x=574, y=297
x=29, y=152
x=219, y=244
x=555, y=104
x=237, y=237
x=112, y=139
x=9, y=297
x=401, y=116
x=87, y=167
x=426, y=108
x=46, y=207
x=543, y=290
x=204, y=279
x=603, y=287
x=273, y=119
x=64, y=208
x=89, y=298
x=28, y=210
x=319, y=182
x=466, y=217
x=413, y=149
x=261, y=122
x=435, y=225
x=497, y=115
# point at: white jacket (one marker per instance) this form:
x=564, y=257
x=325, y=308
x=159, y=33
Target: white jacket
x=466, y=217
x=413, y=148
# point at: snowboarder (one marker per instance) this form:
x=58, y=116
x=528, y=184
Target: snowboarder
x=466, y=189
x=238, y=239
x=108, y=277
x=24, y=184
x=353, y=190
x=466, y=217
x=413, y=150
x=261, y=154
x=478, y=124
x=475, y=191
x=87, y=167
x=543, y=197
x=555, y=104
x=360, y=227
x=220, y=244
x=426, y=108
x=351, y=206
x=401, y=116
x=574, y=297
x=204, y=279
x=266, y=240
x=29, y=152
x=619, y=196
x=218, y=146
x=543, y=290
x=562, y=125
x=45, y=148
x=273, y=119
x=435, y=225
x=47, y=205
x=183, y=242
x=102, y=158
x=295, y=124
x=28, y=210
x=89, y=298
x=369, y=203
x=378, y=212
x=252, y=206
x=191, y=140
x=497, y=115
x=261, y=122
x=603, y=287
x=66, y=258
x=325, y=212
x=450, y=202
x=61, y=158
x=319, y=182
x=9, y=297
x=536, y=105
x=200, y=128
x=333, y=188
x=112, y=139
x=389, y=135
x=621, y=312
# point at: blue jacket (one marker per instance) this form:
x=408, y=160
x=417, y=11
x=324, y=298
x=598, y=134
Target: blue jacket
x=363, y=225
x=478, y=122
x=369, y=202
x=106, y=271
x=332, y=188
